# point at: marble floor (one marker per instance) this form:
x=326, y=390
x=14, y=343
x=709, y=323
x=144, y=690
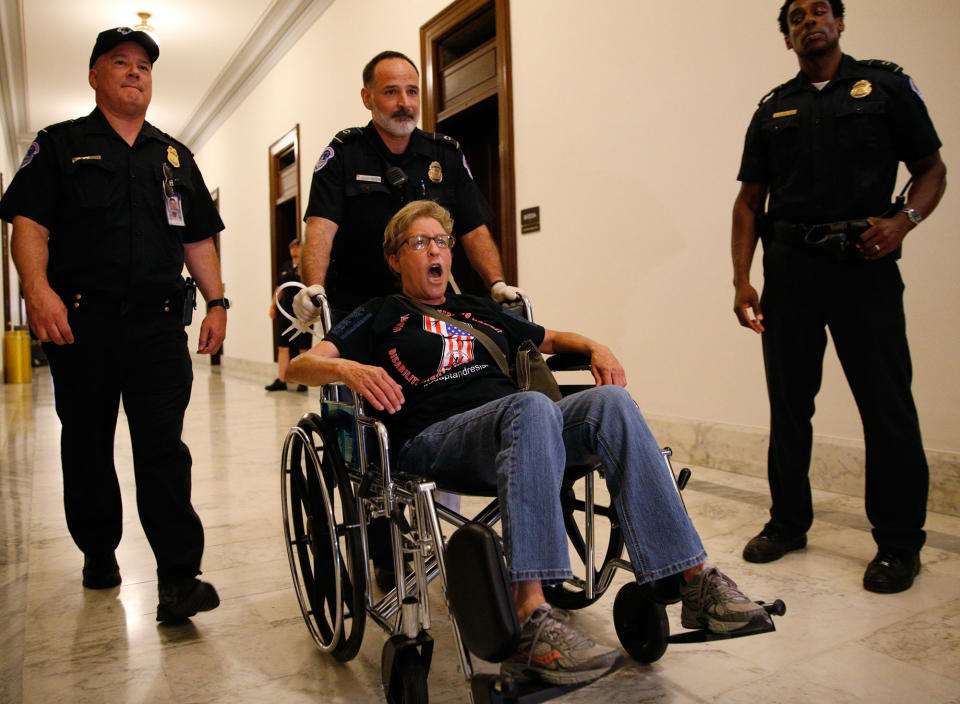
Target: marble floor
x=58, y=641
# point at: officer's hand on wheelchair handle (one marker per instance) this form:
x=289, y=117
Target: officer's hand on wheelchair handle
x=501, y=293
x=746, y=304
x=304, y=307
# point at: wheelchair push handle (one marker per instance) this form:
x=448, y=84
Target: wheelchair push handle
x=318, y=300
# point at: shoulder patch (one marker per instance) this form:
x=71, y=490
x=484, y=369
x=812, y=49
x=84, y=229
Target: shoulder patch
x=326, y=156
x=32, y=151
x=880, y=63
x=442, y=139
x=348, y=134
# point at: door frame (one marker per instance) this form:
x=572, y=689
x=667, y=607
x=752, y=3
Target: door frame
x=431, y=33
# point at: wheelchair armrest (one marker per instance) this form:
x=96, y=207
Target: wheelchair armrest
x=568, y=361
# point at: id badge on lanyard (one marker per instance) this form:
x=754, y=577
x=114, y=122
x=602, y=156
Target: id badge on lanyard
x=171, y=200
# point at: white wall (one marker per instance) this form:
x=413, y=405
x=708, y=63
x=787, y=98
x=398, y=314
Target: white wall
x=8, y=170
x=317, y=84
x=629, y=122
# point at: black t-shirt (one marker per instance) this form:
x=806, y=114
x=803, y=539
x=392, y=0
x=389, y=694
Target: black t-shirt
x=442, y=370
x=350, y=188
x=104, y=204
x=832, y=154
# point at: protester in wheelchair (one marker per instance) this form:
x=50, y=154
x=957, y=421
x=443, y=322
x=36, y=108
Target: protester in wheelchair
x=456, y=418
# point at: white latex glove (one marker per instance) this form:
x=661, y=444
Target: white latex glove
x=303, y=307
x=502, y=293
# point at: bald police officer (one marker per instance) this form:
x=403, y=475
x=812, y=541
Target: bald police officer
x=825, y=148
x=106, y=209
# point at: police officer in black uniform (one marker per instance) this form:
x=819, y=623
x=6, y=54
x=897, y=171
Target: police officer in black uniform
x=825, y=147
x=367, y=174
x=106, y=209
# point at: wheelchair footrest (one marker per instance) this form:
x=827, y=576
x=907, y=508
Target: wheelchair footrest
x=479, y=593
x=777, y=608
x=499, y=689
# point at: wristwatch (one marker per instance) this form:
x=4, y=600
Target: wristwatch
x=914, y=216
x=225, y=302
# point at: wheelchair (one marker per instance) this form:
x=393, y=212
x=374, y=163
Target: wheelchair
x=337, y=477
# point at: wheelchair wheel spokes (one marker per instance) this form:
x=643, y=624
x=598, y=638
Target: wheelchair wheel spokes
x=572, y=594
x=323, y=538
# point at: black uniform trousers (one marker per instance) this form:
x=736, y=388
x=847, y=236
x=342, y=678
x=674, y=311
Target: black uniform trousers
x=862, y=304
x=138, y=354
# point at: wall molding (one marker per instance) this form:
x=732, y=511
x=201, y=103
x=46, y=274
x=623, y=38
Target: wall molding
x=836, y=465
x=279, y=29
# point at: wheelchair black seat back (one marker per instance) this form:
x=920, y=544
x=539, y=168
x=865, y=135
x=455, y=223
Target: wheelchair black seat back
x=337, y=477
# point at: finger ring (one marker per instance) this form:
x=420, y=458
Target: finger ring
x=876, y=247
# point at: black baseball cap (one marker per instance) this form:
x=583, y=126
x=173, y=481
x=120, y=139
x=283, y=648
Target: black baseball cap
x=109, y=38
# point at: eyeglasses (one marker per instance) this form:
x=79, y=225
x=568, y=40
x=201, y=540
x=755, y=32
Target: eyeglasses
x=420, y=242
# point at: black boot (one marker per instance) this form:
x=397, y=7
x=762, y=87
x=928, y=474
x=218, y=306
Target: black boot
x=100, y=571
x=182, y=598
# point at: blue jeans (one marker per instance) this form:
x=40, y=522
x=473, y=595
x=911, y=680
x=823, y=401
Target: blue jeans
x=521, y=444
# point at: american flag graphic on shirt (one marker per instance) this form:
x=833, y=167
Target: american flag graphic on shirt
x=457, y=343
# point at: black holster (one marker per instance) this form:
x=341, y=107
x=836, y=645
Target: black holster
x=189, y=300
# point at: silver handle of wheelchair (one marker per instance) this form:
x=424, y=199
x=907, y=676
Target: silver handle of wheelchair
x=320, y=301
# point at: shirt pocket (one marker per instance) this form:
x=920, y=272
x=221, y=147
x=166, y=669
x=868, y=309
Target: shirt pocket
x=782, y=135
x=359, y=189
x=861, y=125
x=93, y=183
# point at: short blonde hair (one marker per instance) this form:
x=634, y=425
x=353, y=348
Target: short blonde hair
x=393, y=235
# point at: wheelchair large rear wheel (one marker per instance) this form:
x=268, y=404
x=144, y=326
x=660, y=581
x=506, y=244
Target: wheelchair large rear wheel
x=642, y=625
x=572, y=595
x=323, y=538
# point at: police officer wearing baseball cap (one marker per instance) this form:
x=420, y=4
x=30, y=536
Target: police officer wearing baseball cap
x=106, y=210
x=109, y=38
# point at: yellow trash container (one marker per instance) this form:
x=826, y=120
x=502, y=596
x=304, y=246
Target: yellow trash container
x=16, y=356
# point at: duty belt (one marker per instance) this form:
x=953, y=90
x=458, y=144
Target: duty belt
x=835, y=239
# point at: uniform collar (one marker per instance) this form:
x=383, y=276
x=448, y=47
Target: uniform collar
x=848, y=68
x=97, y=123
x=417, y=144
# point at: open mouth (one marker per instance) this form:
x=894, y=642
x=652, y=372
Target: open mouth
x=435, y=272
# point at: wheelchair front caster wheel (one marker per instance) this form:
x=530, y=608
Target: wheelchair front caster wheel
x=641, y=624
x=408, y=678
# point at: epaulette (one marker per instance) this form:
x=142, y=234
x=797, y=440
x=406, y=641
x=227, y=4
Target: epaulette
x=767, y=97
x=64, y=124
x=442, y=139
x=348, y=134
x=880, y=63
x=175, y=141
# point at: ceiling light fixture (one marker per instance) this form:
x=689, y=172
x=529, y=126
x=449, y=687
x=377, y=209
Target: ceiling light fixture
x=143, y=26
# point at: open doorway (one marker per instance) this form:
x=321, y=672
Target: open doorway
x=284, y=206
x=465, y=54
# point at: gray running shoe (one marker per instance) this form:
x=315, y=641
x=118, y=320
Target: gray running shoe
x=711, y=600
x=554, y=652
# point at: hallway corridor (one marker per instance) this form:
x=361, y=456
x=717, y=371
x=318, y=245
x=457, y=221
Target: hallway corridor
x=60, y=642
